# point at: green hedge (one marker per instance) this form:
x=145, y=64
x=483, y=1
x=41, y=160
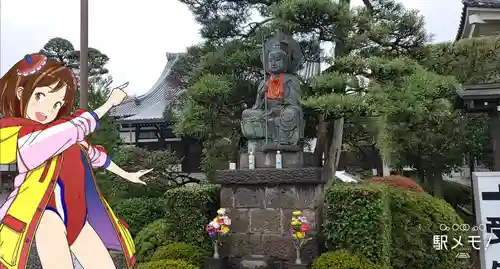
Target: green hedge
x=138, y=212
x=357, y=218
x=415, y=220
x=180, y=251
x=167, y=264
x=390, y=226
x=151, y=237
x=188, y=212
x=343, y=260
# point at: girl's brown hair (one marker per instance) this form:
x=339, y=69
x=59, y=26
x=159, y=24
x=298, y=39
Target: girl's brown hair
x=52, y=72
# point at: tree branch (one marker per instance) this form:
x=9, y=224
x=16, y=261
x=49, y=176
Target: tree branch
x=368, y=5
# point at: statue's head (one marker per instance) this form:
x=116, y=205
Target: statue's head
x=277, y=60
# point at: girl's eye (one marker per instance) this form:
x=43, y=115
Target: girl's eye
x=57, y=105
x=39, y=96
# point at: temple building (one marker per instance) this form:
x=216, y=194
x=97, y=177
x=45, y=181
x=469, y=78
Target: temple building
x=480, y=18
x=142, y=122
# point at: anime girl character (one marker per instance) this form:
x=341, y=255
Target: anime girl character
x=56, y=203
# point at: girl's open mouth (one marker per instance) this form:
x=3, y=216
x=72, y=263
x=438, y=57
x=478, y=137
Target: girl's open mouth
x=40, y=116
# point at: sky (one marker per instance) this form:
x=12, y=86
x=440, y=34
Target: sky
x=136, y=35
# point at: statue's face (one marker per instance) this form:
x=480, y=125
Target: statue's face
x=276, y=61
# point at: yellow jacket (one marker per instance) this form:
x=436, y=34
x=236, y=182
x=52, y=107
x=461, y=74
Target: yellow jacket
x=28, y=202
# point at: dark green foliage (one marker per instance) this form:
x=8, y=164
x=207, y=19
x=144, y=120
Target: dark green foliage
x=188, y=211
x=167, y=264
x=180, y=251
x=457, y=194
x=361, y=222
x=343, y=260
x=151, y=237
x=406, y=238
x=415, y=220
x=140, y=211
x=132, y=159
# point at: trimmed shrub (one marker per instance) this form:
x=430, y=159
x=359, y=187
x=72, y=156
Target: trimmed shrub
x=415, y=220
x=138, y=212
x=343, y=260
x=404, y=224
x=397, y=181
x=167, y=264
x=188, y=210
x=180, y=251
x=357, y=219
x=457, y=194
x=151, y=237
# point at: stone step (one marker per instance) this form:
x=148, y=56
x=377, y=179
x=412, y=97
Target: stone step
x=256, y=262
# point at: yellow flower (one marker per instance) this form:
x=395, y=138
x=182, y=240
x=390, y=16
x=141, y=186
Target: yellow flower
x=224, y=229
x=294, y=235
x=295, y=222
x=221, y=211
x=300, y=235
x=297, y=213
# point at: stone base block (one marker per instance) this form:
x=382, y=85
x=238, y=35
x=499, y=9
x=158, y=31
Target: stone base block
x=271, y=176
x=256, y=262
x=288, y=159
x=212, y=263
x=297, y=266
x=277, y=247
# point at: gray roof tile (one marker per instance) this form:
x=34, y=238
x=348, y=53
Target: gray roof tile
x=152, y=104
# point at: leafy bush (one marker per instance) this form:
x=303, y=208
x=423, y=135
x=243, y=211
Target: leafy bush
x=138, y=212
x=167, y=264
x=188, y=210
x=397, y=181
x=343, y=260
x=133, y=159
x=415, y=220
x=151, y=237
x=404, y=224
x=180, y=251
x=457, y=194
x=357, y=219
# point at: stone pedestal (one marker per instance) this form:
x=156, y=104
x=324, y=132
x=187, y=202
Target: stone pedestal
x=261, y=202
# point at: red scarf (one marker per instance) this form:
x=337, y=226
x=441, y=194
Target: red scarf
x=275, y=87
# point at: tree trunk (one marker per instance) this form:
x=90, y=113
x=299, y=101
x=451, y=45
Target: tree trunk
x=386, y=166
x=321, y=139
x=334, y=150
x=436, y=183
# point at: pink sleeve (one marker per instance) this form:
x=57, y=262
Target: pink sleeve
x=97, y=155
x=38, y=143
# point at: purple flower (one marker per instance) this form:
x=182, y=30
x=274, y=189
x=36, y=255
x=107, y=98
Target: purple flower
x=211, y=234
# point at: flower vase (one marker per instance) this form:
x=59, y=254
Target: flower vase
x=215, y=262
x=297, y=256
x=216, y=249
x=298, y=261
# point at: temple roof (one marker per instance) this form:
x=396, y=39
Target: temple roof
x=150, y=106
x=474, y=4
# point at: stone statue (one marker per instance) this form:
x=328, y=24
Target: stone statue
x=275, y=122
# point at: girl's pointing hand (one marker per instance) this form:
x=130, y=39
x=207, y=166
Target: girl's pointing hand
x=135, y=177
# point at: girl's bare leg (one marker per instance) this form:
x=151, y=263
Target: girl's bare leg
x=52, y=244
x=90, y=250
